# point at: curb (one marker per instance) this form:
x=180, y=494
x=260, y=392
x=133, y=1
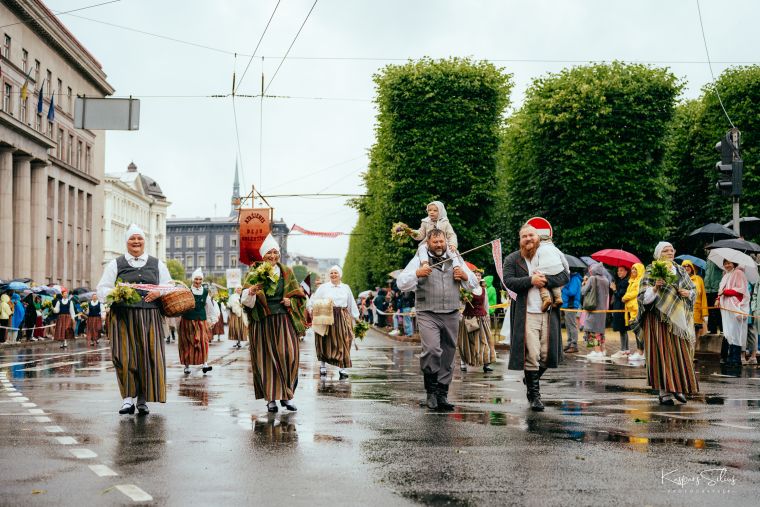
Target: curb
x=24, y=343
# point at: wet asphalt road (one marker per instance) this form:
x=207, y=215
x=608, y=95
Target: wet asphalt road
x=603, y=440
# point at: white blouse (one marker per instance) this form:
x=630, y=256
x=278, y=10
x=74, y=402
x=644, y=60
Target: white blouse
x=341, y=296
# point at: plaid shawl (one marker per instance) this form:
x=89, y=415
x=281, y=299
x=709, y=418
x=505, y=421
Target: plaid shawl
x=668, y=306
x=297, y=297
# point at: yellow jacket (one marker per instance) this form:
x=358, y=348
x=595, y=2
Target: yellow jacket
x=631, y=296
x=700, y=301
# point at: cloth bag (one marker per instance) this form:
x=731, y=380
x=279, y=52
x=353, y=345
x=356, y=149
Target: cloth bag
x=471, y=324
x=589, y=300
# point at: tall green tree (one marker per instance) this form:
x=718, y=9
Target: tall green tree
x=176, y=269
x=437, y=135
x=585, y=151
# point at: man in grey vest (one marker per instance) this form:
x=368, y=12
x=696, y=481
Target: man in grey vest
x=436, y=286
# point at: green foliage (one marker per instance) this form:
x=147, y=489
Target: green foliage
x=176, y=269
x=585, y=151
x=300, y=271
x=437, y=135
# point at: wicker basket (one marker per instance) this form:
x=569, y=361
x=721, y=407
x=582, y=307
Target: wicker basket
x=177, y=302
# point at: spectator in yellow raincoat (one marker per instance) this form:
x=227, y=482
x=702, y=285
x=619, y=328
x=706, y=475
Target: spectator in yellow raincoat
x=700, y=301
x=630, y=298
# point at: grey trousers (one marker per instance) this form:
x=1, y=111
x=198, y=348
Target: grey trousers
x=571, y=323
x=752, y=336
x=438, y=333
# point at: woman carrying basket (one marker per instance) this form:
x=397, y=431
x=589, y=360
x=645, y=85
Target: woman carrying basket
x=136, y=330
x=195, y=327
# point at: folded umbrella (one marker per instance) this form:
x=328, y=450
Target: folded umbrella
x=718, y=255
x=736, y=244
x=615, y=257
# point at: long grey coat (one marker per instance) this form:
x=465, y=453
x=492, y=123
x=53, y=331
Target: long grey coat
x=517, y=279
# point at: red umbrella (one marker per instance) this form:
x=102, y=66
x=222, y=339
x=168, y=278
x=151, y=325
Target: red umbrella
x=614, y=257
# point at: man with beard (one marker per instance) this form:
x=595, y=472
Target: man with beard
x=536, y=335
x=436, y=286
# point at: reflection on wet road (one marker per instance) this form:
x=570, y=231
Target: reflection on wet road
x=602, y=440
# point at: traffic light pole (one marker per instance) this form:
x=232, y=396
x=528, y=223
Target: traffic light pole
x=736, y=215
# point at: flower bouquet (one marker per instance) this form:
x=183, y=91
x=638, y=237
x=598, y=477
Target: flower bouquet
x=360, y=329
x=399, y=232
x=222, y=297
x=465, y=296
x=263, y=274
x=661, y=271
x=123, y=294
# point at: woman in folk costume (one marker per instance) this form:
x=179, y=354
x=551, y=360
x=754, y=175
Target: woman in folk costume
x=136, y=330
x=333, y=342
x=195, y=327
x=734, y=297
x=275, y=324
x=666, y=325
x=237, y=321
x=64, y=323
x=475, y=346
x=631, y=301
x=218, y=327
x=94, y=320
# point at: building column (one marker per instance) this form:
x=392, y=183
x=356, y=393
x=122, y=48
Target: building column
x=6, y=213
x=39, y=222
x=22, y=216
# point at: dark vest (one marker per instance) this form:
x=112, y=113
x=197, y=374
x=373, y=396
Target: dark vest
x=274, y=302
x=199, y=312
x=94, y=310
x=438, y=292
x=64, y=307
x=477, y=307
x=145, y=274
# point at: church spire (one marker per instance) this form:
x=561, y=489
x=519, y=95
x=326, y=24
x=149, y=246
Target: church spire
x=235, y=192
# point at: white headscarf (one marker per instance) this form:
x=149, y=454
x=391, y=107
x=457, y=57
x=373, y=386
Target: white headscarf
x=197, y=273
x=337, y=268
x=659, y=248
x=441, y=210
x=269, y=244
x=134, y=229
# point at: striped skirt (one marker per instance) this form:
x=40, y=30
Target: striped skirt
x=236, y=329
x=194, y=336
x=274, y=357
x=218, y=328
x=94, y=328
x=64, y=327
x=335, y=347
x=475, y=348
x=137, y=351
x=670, y=366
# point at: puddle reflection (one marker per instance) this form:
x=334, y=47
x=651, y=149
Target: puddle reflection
x=271, y=430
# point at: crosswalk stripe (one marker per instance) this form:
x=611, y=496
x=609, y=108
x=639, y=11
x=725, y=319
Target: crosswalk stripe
x=103, y=471
x=83, y=453
x=134, y=493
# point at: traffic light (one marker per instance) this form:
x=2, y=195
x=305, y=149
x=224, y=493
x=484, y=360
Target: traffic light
x=730, y=166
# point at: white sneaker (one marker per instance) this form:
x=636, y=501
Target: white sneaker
x=636, y=357
x=593, y=355
x=393, y=332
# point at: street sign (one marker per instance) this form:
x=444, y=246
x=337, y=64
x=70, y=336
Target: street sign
x=542, y=225
x=106, y=114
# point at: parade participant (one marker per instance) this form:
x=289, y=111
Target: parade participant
x=536, y=341
x=172, y=323
x=135, y=330
x=700, y=301
x=436, y=286
x=596, y=323
x=64, y=323
x=436, y=219
x=474, y=338
x=666, y=325
x=631, y=300
x=275, y=324
x=333, y=342
x=237, y=323
x=94, y=320
x=218, y=328
x=734, y=298
x=195, y=327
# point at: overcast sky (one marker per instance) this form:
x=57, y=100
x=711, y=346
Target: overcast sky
x=189, y=144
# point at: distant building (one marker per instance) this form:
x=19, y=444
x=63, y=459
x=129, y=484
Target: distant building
x=133, y=198
x=213, y=243
x=51, y=194
x=320, y=266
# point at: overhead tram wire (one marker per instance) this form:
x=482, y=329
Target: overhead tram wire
x=257, y=47
x=707, y=52
x=55, y=14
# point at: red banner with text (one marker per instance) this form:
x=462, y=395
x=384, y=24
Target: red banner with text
x=255, y=225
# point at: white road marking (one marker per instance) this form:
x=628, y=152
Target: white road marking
x=53, y=429
x=13, y=394
x=43, y=419
x=103, y=471
x=735, y=426
x=83, y=453
x=36, y=411
x=28, y=404
x=20, y=399
x=66, y=440
x=134, y=493
x=11, y=389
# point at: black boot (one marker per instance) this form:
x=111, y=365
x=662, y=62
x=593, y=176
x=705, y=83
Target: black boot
x=534, y=387
x=528, y=391
x=541, y=371
x=441, y=397
x=431, y=380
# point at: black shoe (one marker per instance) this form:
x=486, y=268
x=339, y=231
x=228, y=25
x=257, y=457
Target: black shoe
x=487, y=369
x=431, y=381
x=288, y=406
x=127, y=409
x=342, y=375
x=142, y=409
x=680, y=397
x=432, y=401
x=536, y=405
x=666, y=400
x=272, y=408
x=441, y=398
x=207, y=369
x=168, y=340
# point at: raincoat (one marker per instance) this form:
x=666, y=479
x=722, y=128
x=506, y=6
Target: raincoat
x=491, y=293
x=630, y=298
x=18, y=312
x=5, y=307
x=734, y=297
x=700, y=302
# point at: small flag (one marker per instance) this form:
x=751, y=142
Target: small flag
x=306, y=285
x=40, y=99
x=499, y=263
x=25, y=86
x=51, y=111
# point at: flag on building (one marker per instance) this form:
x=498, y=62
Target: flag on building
x=25, y=86
x=51, y=111
x=40, y=99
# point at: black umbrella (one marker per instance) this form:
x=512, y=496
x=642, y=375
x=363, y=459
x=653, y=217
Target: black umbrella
x=742, y=245
x=79, y=290
x=748, y=226
x=712, y=232
x=575, y=262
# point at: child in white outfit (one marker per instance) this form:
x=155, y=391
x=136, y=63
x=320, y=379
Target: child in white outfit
x=551, y=261
x=436, y=219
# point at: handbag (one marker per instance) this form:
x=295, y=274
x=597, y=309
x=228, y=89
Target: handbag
x=471, y=324
x=589, y=300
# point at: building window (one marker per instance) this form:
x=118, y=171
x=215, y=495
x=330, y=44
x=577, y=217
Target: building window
x=189, y=262
x=189, y=242
x=24, y=108
x=88, y=160
x=79, y=155
x=50, y=129
x=59, y=148
x=60, y=92
x=219, y=261
x=233, y=242
x=7, y=47
x=37, y=72
x=219, y=241
x=69, y=101
x=38, y=123
x=7, y=93
x=50, y=80
x=178, y=243
x=25, y=60
x=201, y=261
x=69, y=149
x=201, y=241
x=233, y=261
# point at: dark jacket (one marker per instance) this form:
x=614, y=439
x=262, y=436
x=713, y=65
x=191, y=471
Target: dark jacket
x=618, y=319
x=516, y=278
